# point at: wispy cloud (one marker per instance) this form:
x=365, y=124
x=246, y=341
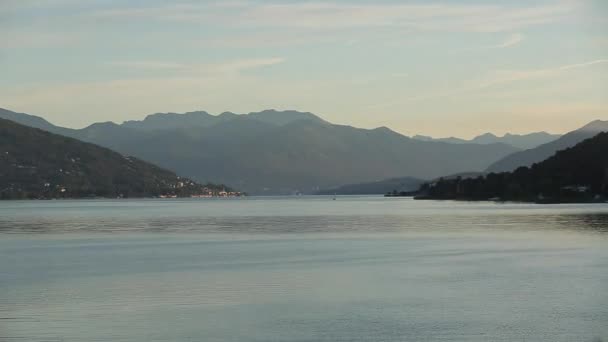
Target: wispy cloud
x=121, y=99
x=246, y=64
x=148, y=65
x=512, y=40
x=19, y=39
x=266, y=38
x=333, y=15
x=508, y=76
x=492, y=79
x=17, y=5
x=251, y=24
x=229, y=67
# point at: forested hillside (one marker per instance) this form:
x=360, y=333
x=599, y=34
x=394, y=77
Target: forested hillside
x=38, y=164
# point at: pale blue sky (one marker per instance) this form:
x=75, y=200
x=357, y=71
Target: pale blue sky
x=430, y=67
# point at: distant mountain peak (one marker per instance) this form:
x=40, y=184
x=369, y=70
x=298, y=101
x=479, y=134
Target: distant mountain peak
x=544, y=151
x=163, y=121
x=103, y=124
x=26, y=119
x=197, y=112
x=487, y=135
x=384, y=129
x=595, y=126
x=228, y=114
x=161, y=116
x=422, y=137
x=283, y=117
x=200, y=119
x=283, y=112
x=524, y=141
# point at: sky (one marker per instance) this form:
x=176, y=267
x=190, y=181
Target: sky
x=439, y=68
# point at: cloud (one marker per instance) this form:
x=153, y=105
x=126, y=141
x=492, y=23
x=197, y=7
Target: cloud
x=19, y=39
x=267, y=38
x=512, y=40
x=243, y=24
x=415, y=17
x=582, y=65
x=124, y=99
x=165, y=86
x=229, y=67
x=507, y=76
x=148, y=65
x=17, y=5
x=246, y=64
x=492, y=79
x=332, y=15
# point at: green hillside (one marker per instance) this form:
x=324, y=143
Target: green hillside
x=38, y=164
x=576, y=174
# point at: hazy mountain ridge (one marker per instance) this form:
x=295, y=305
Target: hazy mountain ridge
x=34, y=121
x=35, y=163
x=542, y=152
x=301, y=152
x=522, y=141
x=202, y=119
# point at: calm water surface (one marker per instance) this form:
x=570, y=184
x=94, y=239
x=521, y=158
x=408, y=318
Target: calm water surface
x=302, y=269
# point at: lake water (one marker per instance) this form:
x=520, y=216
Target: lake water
x=302, y=269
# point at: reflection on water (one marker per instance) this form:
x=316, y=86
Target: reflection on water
x=302, y=215
x=307, y=224
x=592, y=222
x=308, y=269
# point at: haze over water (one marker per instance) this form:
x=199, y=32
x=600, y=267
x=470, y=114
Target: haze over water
x=302, y=269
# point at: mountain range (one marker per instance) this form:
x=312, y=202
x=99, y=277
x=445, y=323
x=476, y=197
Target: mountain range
x=574, y=174
x=542, y=152
x=277, y=152
x=522, y=141
x=38, y=164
